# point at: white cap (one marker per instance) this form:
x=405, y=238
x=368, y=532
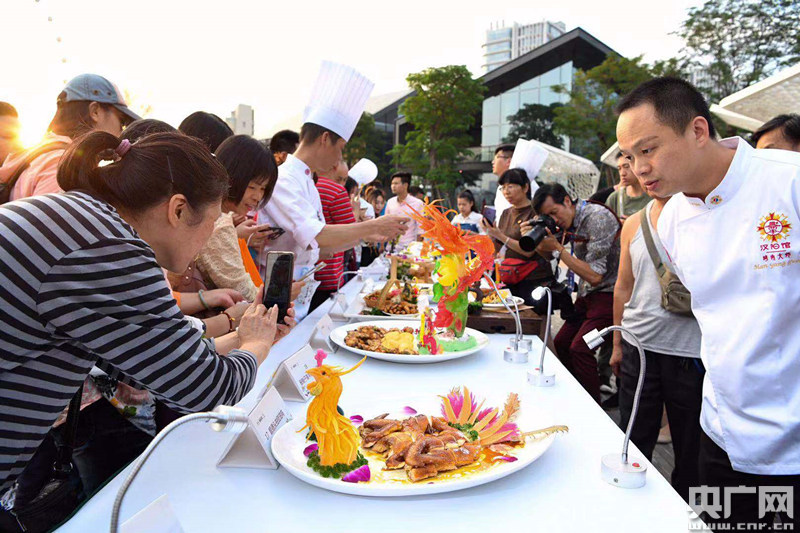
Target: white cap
x=364, y=171
x=530, y=157
x=338, y=99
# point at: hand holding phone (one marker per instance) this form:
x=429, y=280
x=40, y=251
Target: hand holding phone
x=278, y=282
x=489, y=215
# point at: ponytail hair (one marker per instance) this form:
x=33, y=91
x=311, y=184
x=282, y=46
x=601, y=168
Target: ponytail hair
x=152, y=170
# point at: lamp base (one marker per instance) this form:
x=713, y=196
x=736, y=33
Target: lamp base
x=526, y=344
x=536, y=378
x=630, y=475
x=515, y=356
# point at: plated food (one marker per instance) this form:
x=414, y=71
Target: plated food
x=400, y=341
x=459, y=445
x=398, y=302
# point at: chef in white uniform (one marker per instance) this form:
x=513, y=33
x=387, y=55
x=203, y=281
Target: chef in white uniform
x=337, y=101
x=732, y=233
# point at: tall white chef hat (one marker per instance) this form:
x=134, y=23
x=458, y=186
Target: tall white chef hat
x=338, y=98
x=529, y=156
x=364, y=171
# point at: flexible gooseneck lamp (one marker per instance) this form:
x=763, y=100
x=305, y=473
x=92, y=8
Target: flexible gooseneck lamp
x=516, y=352
x=224, y=419
x=537, y=376
x=615, y=468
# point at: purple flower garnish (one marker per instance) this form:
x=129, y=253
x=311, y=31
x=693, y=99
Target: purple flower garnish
x=311, y=448
x=361, y=473
x=357, y=419
x=409, y=410
x=506, y=458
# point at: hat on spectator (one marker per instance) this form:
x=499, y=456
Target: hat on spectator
x=338, y=99
x=94, y=88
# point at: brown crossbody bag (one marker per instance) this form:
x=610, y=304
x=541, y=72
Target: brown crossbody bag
x=675, y=297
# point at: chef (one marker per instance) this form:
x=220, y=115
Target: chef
x=337, y=101
x=733, y=238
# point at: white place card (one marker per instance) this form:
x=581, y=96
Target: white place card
x=252, y=447
x=158, y=517
x=321, y=337
x=291, y=379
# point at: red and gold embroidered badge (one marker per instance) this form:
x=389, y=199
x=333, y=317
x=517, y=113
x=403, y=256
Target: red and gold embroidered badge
x=774, y=227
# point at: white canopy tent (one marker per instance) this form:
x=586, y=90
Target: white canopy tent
x=577, y=174
x=754, y=105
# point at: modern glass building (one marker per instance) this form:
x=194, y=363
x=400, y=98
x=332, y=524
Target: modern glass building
x=537, y=90
x=528, y=79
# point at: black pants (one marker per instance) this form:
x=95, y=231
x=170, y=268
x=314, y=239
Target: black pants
x=320, y=297
x=677, y=384
x=716, y=471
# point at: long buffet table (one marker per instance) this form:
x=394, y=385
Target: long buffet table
x=561, y=491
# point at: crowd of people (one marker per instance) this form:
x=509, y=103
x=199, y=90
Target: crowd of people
x=132, y=253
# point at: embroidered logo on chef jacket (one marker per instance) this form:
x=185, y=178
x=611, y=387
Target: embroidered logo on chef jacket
x=775, y=248
x=715, y=200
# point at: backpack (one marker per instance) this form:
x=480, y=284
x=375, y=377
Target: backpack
x=7, y=186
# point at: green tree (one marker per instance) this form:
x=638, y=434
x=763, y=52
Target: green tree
x=534, y=122
x=441, y=111
x=740, y=42
x=588, y=117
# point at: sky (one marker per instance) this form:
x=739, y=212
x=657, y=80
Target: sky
x=180, y=56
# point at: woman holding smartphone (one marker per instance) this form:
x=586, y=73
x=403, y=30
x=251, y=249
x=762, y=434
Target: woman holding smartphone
x=252, y=174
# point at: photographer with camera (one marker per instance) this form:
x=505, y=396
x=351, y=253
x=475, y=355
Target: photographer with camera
x=521, y=271
x=592, y=230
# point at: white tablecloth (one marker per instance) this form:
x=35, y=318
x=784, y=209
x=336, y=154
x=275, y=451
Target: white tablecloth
x=561, y=491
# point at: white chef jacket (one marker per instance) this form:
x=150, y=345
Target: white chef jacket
x=738, y=253
x=295, y=206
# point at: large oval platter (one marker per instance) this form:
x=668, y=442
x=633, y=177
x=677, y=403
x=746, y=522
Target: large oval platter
x=288, y=446
x=338, y=335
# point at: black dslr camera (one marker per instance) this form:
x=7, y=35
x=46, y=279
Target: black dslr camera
x=541, y=223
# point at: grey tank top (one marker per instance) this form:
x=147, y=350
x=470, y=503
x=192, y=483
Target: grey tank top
x=657, y=329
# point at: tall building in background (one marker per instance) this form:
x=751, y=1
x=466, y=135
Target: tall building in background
x=241, y=120
x=504, y=43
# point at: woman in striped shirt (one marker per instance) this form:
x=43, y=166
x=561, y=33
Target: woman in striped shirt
x=81, y=285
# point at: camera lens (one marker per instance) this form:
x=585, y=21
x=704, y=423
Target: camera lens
x=531, y=240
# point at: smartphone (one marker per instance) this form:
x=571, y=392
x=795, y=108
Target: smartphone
x=489, y=214
x=278, y=283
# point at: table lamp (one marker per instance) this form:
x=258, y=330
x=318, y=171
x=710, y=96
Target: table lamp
x=537, y=376
x=223, y=418
x=516, y=352
x=616, y=469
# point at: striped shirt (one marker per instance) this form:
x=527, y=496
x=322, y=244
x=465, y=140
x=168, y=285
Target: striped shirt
x=337, y=210
x=78, y=288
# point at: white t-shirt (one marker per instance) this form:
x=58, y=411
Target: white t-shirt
x=738, y=253
x=467, y=223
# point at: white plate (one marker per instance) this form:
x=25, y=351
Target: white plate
x=288, y=446
x=498, y=305
x=338, y=335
